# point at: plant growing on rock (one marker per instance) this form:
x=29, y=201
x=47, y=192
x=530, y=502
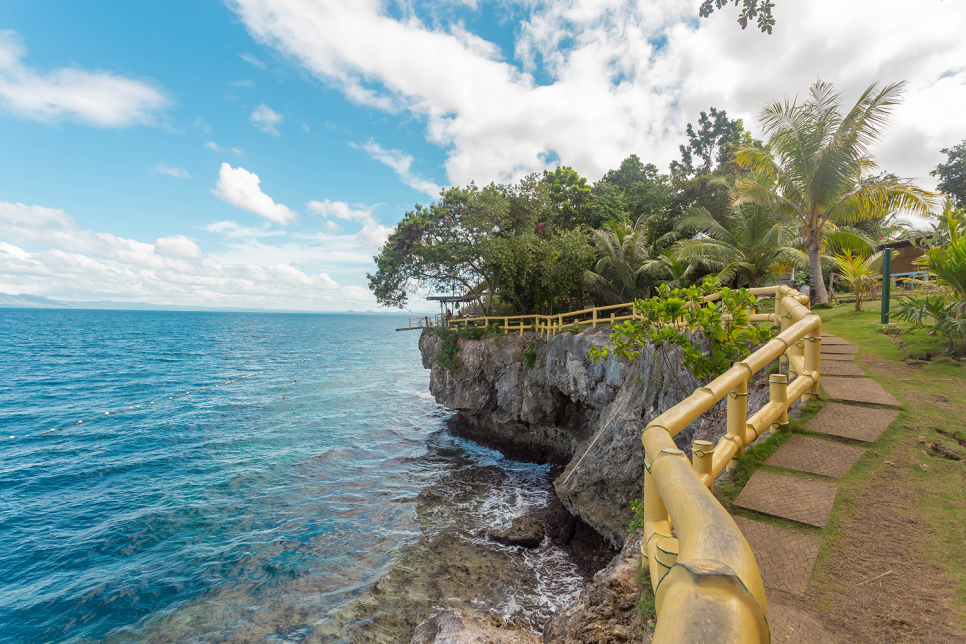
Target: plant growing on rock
x=449, y=339
x=670, y=319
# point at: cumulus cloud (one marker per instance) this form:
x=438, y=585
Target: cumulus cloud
x=98, y=98
x=266, y=119
x=68, y=261
x=240, y=188
x=400, y=162
x=177, y=246
x=594, y=81
x=163, y=168
x=372, y=235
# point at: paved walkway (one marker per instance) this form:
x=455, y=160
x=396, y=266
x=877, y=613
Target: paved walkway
x=786, y=557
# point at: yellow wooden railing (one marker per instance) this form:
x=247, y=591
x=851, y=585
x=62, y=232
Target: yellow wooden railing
x=706, y=581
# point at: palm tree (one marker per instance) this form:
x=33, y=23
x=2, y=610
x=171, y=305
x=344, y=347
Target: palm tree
x=813, y=166
x=621, y=274
x=671, y=269
x=754, y=247
x=860, y=272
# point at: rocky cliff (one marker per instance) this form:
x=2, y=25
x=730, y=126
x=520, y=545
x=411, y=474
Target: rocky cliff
x=552, y=412
x=564, y=409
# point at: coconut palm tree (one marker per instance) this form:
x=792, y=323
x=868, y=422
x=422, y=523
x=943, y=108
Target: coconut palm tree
x=672, y=270
x=620, y=274
x=813, y=166
x=755, y=246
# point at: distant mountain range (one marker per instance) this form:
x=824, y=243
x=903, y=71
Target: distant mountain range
x=25, y=301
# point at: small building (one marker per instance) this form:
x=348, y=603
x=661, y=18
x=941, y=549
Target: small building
x=904, y=255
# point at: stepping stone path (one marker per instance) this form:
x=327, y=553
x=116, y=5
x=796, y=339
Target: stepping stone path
x=786, y=557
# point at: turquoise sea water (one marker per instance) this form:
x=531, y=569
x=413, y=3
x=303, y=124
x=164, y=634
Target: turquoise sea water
x=262, y=506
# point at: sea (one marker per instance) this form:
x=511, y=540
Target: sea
x=219, y=477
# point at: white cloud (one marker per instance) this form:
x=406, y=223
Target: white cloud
x=266, y=120
x=240, y=188
x=97, y=98
x=177, y=246
x=372, y=235
x=596, y=80
x=78, y=264
x=163, y=168
x=250, y=58
x=242, y=83
x=214, y=147
x=400, y=162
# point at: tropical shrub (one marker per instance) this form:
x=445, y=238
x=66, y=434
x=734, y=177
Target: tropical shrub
x=860, y=273
x=672, y=316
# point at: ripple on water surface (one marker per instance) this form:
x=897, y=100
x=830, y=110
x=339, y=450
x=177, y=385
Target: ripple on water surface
x=233, y=513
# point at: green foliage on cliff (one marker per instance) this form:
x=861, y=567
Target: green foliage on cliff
x=670, y=320
x=449, y=339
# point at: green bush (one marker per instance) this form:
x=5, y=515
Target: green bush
x=529, y=355
x=448, y=347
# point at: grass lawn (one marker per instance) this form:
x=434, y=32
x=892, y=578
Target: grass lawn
x=900, y=512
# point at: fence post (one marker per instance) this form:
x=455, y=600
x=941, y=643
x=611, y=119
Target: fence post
x=778, y=392
x=886, y=284
x=813, y=363
x=612, y=319
x=783, y=323
x=595, y=318
x=738, y=414
x=702, y=455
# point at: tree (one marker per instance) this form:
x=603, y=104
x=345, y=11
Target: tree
x=813, y=166
x=510, y=239
x=644, y=189
x=750, y=9
x=570, y=196
x=755, y=246
x=711, y=143
x=620, y=274
x=952, y=174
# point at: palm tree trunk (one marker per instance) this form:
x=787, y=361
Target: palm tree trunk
x=817, y=292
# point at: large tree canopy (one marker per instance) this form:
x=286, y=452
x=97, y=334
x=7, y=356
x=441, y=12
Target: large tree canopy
x=518, y=241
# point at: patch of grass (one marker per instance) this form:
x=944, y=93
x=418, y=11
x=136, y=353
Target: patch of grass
x=646, y=606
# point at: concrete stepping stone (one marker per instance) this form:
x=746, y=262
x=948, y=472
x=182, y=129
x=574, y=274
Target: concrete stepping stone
x=831, y=341
x=841, y=368
x=864, y=390
x=792, y=626
x=839, y=348
x=785, y=558
x=849, y=421
x=815, y=456
x=840, y=357
x=788, y=497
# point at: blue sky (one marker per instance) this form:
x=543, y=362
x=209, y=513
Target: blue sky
x=256, y=153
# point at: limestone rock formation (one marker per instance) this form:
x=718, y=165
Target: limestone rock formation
x=462, y=626
x=554, y=411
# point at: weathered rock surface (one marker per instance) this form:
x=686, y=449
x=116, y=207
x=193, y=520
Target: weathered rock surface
x=606, y=610
x=554, y=411
x=462, y=626
x=526, y=532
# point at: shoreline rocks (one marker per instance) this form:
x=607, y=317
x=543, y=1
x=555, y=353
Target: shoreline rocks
x=526, y=532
